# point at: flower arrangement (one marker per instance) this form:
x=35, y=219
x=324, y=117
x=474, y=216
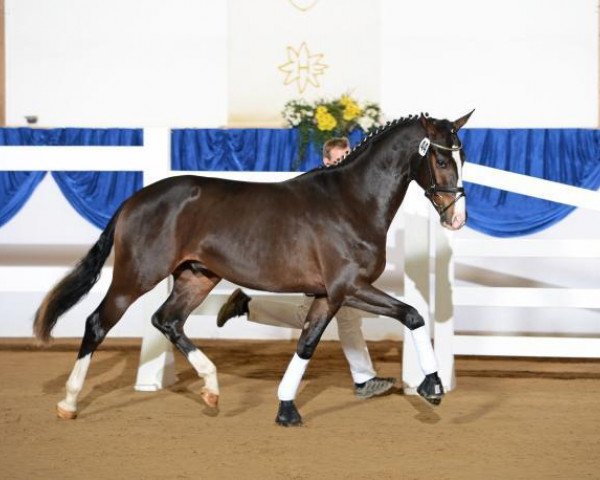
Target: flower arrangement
x=323, y=119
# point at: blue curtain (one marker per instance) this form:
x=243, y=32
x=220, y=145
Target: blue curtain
x=15, y=190
x=570, y=156
x=564, y=155
x=254, y=149
x=95, y=195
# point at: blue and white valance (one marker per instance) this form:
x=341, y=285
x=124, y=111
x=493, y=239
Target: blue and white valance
x=248, y=149
x=569, y=156
x=95, y=195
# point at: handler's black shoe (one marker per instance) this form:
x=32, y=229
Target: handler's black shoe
x=374, y=387
x=236, y=305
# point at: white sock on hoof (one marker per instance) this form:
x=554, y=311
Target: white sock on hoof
x=291, y=379
x=75, y=383
x=424, y=350
x=205, y=369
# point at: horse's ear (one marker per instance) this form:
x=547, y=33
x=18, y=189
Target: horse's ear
x=458, y=124
x=427, y=124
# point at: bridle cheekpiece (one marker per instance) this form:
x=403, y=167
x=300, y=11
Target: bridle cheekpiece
x=434, y=188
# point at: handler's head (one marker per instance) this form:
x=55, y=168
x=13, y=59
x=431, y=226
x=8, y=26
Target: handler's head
x=334, y=149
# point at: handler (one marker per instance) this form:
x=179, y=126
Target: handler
x=281, y=314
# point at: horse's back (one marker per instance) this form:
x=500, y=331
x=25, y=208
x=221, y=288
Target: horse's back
x=240, y=230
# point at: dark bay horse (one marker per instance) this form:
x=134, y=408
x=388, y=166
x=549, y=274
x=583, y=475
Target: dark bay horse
x=322, y=233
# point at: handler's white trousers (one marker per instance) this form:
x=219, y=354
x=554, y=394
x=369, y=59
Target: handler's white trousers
x=349, y=320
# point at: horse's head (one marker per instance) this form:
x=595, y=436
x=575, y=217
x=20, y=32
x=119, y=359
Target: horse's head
x=440, y=171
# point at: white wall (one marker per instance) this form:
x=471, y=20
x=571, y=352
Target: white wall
x=520, y=63
x=336, y=49
x=117, y=62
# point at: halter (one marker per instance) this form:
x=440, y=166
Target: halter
x=434, y=188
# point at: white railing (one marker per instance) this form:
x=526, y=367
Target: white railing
x=529, y=297
x=156, y=361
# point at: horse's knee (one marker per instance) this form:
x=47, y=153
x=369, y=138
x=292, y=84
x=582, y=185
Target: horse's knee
x=413, y=319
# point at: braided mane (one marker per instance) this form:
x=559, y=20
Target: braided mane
x=373, y=137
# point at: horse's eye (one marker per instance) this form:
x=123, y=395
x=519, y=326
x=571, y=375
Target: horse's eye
x=442, y=163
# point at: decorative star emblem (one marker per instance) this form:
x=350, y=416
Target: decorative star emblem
x=303, y=67
x=303, y=5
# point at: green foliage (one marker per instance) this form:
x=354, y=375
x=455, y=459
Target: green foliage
x=321, y=120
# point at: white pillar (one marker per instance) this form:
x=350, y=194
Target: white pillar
x=157, y=363
x=444, y=309
x=416, y=279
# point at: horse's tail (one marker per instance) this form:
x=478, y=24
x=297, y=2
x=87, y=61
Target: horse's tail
x=75, y=285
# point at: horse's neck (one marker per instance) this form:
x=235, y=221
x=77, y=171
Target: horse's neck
x=379, y=180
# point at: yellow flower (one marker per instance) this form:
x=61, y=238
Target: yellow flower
x=351, y=108
x=351, y=111
x=321, y=109
x=345, y=100
x=325, y=120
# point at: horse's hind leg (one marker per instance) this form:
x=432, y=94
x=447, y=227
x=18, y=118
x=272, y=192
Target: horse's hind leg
x=192, y=285
x=97, y=325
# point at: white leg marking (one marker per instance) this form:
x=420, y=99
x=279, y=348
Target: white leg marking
x=292, y=378
x=424, y=350
x=75, y=384
x=205, y=369
x=460, y=207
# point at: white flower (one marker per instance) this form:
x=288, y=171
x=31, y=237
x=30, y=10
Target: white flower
x=295, y=119
x=365, y=123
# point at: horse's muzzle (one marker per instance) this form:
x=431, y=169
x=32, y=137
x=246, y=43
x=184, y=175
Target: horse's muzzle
x=458, y=221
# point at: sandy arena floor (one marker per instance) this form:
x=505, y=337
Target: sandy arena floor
x=508, y=419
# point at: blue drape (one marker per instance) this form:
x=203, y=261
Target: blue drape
x=95, y=195
x=15, y=190
x=564, y=155
x=252, y=149
x=569, y=156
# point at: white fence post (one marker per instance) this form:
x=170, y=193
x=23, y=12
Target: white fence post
x=157, y=363
x=443, y=330
x=416, y=280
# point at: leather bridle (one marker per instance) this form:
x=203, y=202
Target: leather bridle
x=434, y=189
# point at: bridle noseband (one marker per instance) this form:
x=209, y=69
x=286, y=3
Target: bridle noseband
x=434, y=188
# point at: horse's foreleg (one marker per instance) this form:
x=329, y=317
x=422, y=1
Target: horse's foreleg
x=319, y=315
x=190, y=289
x=97, y=326
x=370, y=299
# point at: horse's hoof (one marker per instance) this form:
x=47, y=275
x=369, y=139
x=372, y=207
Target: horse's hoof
x=211, y=399
x=288, y=415
x=65, y=413
x=431, y=389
